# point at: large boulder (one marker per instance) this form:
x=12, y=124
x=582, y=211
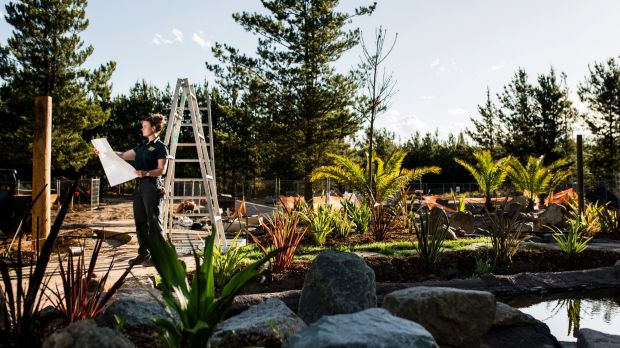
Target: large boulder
x=336, y=283
x=454, y=317
x=136, y=306
x=462, y=220
x=85, y=334
x=555, y=214
x=267, y=325
x=374, y=327
x=439, y=215
x=513, y=328
x=587, y=338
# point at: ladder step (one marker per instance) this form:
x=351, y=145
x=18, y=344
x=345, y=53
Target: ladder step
x=187, y=179
x=187, y=197
x=191, y=214
x=192, y=144
x=187, y=160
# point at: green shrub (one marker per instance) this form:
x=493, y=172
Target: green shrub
x=574, y=241
x=321, y=225
x=341, y=223
x=226, y=264
x=359, y=215
x=197, y=308
x=609, y=220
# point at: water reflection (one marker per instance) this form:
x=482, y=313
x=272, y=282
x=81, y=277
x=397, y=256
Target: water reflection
x=565, y=314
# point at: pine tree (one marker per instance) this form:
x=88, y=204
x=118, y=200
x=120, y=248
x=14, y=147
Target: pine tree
x=307, y=103
x=601, y=91
x=487, y=131
x=45, y=56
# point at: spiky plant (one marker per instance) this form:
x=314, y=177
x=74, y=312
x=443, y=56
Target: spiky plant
x=535, y=179
x=488, y=173
x=388, y=175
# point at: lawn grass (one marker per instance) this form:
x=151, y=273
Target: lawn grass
x=396, y=248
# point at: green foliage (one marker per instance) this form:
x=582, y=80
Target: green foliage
x=21, y=302
x=360, y=216
x=609, y=219
x=77, y=299
x=198, y=310
x=487, y=131
x=389, y=176
x=227, y=264
x=430, y=231
x=292, y=81
x=321, y=224
x=536, y=118
x=285, y=232
x=590, y=216
x=488, y=173
x=119, y=323
x=45, y=56
x=600, y=92
x=483, y=265
x=505, y=232
x=342, y=224
x=535, y=178
x=574, y=241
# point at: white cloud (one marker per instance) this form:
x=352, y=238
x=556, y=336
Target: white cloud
x=427, y=97
x=178, y=35
x=435, y=63
x=200, y=39
x=440, y=68
x=499, y=66
x=458, y=112
x=402, y=125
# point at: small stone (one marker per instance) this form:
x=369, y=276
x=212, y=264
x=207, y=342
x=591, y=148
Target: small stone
x=86, y=334
x=374, y=327
x=463, y=220
x=267, y=324
x=587, y=338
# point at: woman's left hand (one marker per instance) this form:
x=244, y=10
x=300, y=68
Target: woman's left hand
x=139, y=173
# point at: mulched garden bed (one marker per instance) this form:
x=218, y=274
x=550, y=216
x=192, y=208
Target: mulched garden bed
x=453, y=265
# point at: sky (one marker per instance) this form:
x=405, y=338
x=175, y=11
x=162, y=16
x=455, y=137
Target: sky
x=447, y=52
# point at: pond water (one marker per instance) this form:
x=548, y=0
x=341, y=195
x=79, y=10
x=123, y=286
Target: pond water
x=566, y=313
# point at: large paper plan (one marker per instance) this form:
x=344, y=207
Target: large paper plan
x=116, y=169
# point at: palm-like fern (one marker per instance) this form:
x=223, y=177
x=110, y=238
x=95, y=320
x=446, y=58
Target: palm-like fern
x=388, y=175
x=488, y=173
x=535, y=179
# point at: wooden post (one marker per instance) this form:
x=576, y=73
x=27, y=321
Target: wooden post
x=580, y=196
x=41, y=169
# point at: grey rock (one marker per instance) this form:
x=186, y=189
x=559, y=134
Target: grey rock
x=482, y=232
x=453, y=316
x=267, y=324
x=522, y=200
x=513, y=207
x=513, y=328
x=527, y=227
x=370, y=328
x=463, y=220
x=440, y=215
x=451, y=233
x=587, y=338
x=85, y=334
x=555, y=214
x=337, y=283
x=136, y=306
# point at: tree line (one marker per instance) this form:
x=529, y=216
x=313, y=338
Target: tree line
x=279, y=109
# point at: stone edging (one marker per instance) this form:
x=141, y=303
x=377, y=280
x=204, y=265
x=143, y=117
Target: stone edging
x=500, y=285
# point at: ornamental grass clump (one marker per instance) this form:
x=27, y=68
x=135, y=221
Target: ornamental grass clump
x=574, y=241
x=430, y=230
x=285, y=234
x=505, y=231
x=81, y=298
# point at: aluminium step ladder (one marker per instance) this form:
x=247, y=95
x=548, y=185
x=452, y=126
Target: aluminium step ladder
x=176, y=189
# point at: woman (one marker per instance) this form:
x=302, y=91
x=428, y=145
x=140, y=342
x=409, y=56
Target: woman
x=150, y=157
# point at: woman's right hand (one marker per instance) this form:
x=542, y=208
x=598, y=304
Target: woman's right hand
x=94, y=149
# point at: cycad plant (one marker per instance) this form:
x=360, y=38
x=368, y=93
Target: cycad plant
x=488, y=173
x=574, y=241
x=321, y=224
x=535, y=179
x=388, y=175
x=360, y=216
